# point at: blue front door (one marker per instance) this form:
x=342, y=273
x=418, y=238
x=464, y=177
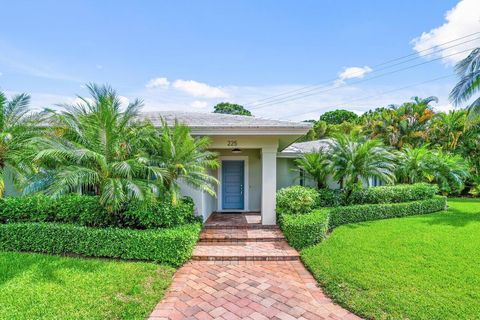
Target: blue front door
x=232, y=185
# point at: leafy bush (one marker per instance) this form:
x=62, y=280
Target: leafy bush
x=159, y=215
x=172, y=246
x=331, y=198
x=87, y=211
x=296, y=200
x=393, y=194
x=358, y=213
x=305, y=230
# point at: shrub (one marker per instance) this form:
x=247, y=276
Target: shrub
x=296, y=200
x=331, y=198
x=87, y=211
x=305, y=230
x=172, y=246
x=393, y=194
x=161, y=214
x=358, y=213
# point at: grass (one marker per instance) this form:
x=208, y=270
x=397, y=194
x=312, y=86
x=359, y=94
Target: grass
x=36, y=286
x=419, y=267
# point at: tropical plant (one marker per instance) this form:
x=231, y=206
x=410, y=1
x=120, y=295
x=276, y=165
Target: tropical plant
x=469, y=72
x=17, y=127
x=316, y=165
x=338, y=116
x=448, y=171
x=184, y=159
x=231, y=108
x=96, y=147
x=447, y=129
x=356, y=159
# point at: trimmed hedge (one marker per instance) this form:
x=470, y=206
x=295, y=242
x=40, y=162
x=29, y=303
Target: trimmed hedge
x=296, y=200
x=305, y=230
x=171, y=246
x=330, y=198
x=86, y=211
x=393, y=194
x=359, y=213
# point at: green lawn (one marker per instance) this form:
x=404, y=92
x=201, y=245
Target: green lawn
x=419, y=267
x=36, y=286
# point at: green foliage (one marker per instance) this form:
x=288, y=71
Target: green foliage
x=17, y=128
x=338, y=116
x=231, y=108
x=315, y=165
x=393, y=194
x=96, y=147
x=304, y=230
x=469, y=72
x=86, y=211
x=356, y=159
x=448, y=171
x=161, y=214
x=171, y=246
x=367, y=212
x=296, y=200
x=331, y=198
x=183, y=158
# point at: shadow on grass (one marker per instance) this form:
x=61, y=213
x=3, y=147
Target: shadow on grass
x=43, y=268
x=453, y=217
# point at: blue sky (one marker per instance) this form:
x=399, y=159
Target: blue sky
x=189, y=55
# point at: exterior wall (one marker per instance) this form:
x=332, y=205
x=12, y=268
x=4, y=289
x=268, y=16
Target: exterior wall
x=10, y=189
x=286, y=176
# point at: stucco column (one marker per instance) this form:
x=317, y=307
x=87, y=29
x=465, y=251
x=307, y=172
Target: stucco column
x=269, y=185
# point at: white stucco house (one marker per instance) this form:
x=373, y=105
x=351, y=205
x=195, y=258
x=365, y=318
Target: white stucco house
x=253, y=164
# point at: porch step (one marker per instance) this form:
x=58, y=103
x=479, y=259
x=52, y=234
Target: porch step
x=239, y=226
x=245, y=251
x=241, y=235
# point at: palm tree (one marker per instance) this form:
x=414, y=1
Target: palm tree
x=448, y=128
x=184, y=159
x=447, y=170
x=17, y=127
x=96, y=147
x=355, y=160
x=316, y=165
x=469, y=72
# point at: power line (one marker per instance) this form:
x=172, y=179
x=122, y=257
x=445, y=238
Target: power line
x=257, y=102
x=373, y=96
x=311, y=92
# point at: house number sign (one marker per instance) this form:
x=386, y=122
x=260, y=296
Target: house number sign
x=232, y=143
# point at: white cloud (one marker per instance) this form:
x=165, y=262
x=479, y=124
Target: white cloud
x=199, y=104
x=158, y=83
x=199, y=89
x=124, y=101
x=354, y=72
x=462, y=20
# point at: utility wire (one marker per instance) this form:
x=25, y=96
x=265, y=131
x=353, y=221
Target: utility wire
x=311, y=92
x=371, y=96
x=257, y=102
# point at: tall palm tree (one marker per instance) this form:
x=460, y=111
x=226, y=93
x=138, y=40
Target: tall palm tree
x=355, y=160
x=448, y=128
x=316, y=165
x=184, y=159
x=99, y=148
x=17, y=127
x=469, y=72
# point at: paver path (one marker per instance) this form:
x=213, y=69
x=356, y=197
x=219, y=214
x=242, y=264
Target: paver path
x=229, y=285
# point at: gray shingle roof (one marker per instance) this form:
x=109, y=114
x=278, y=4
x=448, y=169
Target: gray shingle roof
x=217, y=120
x=308, y=146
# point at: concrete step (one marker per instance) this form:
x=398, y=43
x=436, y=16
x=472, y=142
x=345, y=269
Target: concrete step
x=245, y=251
x=241, y=235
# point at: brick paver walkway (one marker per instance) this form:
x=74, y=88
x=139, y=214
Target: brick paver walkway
x=239, y=280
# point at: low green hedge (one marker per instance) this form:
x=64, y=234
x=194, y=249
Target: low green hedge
x=306, y=229
x=86, y=211
x=366, y=212
x=393, y=194
x=171, y=246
